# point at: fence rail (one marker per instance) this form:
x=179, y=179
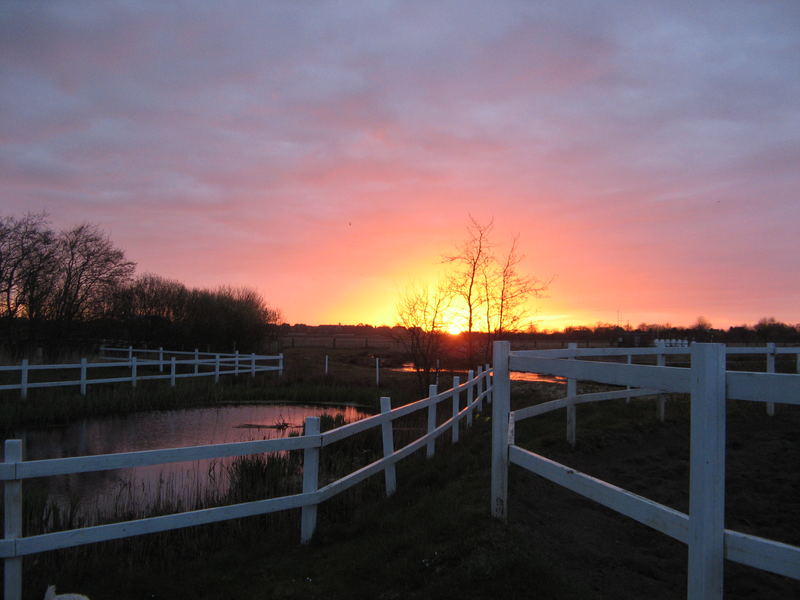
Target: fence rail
x=203, y=364
x=464, y=399
x=709, y=386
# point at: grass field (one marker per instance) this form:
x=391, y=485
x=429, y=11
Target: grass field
x=434, y=538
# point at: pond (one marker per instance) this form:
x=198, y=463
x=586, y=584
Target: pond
x=101, y=491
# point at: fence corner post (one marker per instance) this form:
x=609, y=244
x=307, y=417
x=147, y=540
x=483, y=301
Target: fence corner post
x=456, y=407
x=387, y=433
x=430, y=447
x=308, y=515
x=12, y=519
x=707, y=475
x=500, y=416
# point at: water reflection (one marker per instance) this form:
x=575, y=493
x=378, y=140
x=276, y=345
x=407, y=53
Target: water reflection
x=154, y=430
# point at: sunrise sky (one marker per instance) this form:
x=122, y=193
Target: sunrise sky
x=328, y=153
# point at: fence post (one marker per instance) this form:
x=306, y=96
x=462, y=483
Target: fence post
x=572, y=391
x=489, y=383
x=236, y=363
x=627, y=387
x=500, y=416
x=133, y=371
x=83, y=377
x=308, y=515
x=470, y=395
x=23, y=379
x=172, y=371
x=430, y=448
x=130, y=352
x=707, y=475
x=326, y=364
x=12, y=497
x=771, y=369
x=480, y=389
x=252, y=364
x=377, y=372
x=456, y=403
x=216, y=368
x=387, y=432
x=196, y=361
x=160, y=359
x=280, y=364
x=661, y=361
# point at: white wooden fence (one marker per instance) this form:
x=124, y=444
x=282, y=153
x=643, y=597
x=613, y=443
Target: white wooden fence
x=465, y=398
x=709, y=385
x=177, y=364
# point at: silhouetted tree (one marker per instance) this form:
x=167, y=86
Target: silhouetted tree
x=419, y=312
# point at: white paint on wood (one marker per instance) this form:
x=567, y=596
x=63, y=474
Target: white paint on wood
x=771, y=369
x=500, y=415
x=23, y=379
x=470, y=395
x=456, y=408
x=572, y=393
x=707, y=474
x=661, y=412
x=430, y=449
x=83, y=377
x=308, y=516
x=662, y=518
x=12, y=522
x=387, y=435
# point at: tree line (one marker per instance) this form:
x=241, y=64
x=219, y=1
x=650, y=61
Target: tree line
x=71, y=288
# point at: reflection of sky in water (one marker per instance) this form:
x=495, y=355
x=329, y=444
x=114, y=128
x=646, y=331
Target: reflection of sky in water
x=155, y=430
x=535, y=377
x=514, y=376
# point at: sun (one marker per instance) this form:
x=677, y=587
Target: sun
x=453, y=328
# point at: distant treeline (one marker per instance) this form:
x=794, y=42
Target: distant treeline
x=70, y=289
x=766, y=330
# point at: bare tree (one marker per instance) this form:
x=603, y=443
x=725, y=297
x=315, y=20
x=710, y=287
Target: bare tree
x=471, y=261
x=419, y=312
x=27, y=265
x=90, y=268
x=506, y=294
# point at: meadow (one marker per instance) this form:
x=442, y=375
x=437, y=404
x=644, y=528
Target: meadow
x=434, y=538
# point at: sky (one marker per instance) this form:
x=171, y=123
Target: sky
x=328, y=154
